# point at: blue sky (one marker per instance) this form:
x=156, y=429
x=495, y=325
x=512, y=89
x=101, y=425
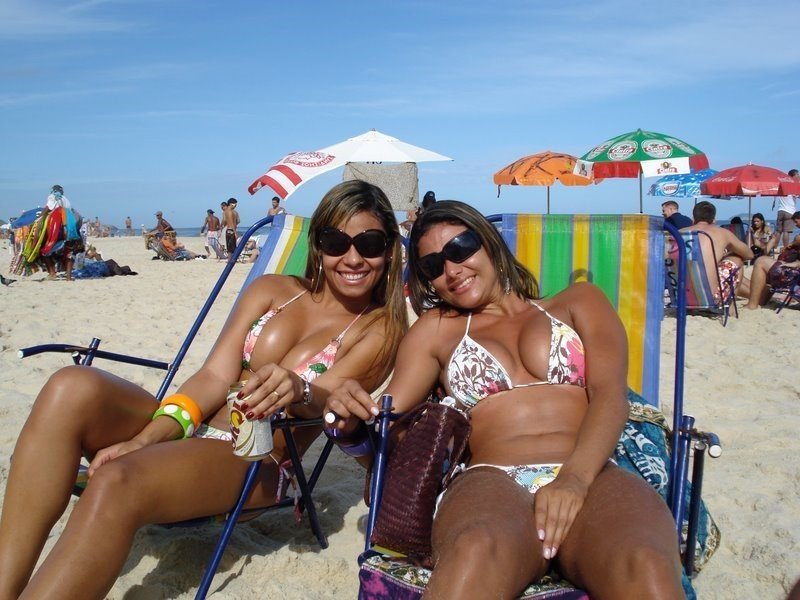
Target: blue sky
x=139, y=105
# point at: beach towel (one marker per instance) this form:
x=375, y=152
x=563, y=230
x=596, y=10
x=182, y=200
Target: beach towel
x=643, y=449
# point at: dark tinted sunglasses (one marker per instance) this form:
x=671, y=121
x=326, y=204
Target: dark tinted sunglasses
x=457, y=250
x=369, y=244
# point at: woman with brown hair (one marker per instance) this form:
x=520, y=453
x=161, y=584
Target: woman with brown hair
x=544, y=384
x=292, y=340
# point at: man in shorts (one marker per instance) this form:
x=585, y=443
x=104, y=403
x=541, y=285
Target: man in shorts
x=730, y=251
x=212, y=226
x=231, y=222
x=786, y=206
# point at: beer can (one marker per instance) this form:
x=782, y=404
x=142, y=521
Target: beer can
x=252, y=440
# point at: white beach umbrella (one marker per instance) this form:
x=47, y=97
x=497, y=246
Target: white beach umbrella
x=294, y=169
x=375, y=146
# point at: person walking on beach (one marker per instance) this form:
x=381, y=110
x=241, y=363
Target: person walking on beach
x=276, y=209
x=66, y=242
x=786, y=206
x=231, y=222
x=730, y=251
x=128, y=226
x=212, y=226
x=672, y=216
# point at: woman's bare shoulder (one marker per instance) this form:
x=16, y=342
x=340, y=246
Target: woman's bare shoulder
x=580, y=292
x=277, y=285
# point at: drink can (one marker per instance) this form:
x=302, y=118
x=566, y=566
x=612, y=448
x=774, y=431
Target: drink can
x=252, y=440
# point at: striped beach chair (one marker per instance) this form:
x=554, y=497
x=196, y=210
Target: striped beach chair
x=621, y=254
x=624, y=256
x=716, y=297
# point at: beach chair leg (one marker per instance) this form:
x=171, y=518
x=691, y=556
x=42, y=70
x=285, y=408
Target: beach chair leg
x=694, y=507
x=305, y=490
x=312, y=481
x=230, y=523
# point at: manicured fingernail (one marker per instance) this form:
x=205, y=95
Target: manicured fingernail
x=548, y=552
x=375, y=410
x=541, y=534
x=245, y=406
x=240, y=395
x=250, y=415
x=262, y=417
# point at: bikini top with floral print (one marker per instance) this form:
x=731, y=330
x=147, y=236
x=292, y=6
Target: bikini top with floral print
x=309, y=369
x=474, y=373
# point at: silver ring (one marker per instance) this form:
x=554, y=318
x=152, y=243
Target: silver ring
x=276, y=393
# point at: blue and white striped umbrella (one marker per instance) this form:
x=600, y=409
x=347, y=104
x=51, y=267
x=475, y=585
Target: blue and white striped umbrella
x=681, y=186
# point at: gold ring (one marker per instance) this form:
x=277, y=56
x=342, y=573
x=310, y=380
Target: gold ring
x=276, y=393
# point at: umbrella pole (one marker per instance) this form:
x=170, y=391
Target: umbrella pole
x=749, y=210
x=641, y=206
x=548, y=199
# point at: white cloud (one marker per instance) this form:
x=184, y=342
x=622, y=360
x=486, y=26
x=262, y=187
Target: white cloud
x=22, y=19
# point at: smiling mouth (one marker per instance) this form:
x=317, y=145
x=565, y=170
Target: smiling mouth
x=464, y=284
x=352, y=277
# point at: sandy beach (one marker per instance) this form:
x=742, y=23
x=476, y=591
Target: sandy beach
x=739, y=384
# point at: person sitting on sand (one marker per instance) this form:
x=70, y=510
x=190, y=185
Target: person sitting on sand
x=92, y=254
x=772, y=273
x=177, y=250
x=544, y=383
x=291, y=339
x=761, y=239
x=729, y=250
x=93, y=269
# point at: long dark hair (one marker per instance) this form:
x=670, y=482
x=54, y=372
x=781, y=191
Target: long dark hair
x=453, y=212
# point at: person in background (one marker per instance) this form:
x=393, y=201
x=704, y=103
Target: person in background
x=428, y=199
x=672, y=216
x=760, y=237
x=212, y=226
x=729, y=250
x=72, y=243
x=411, y=217
x=231, y=222
x=162, y=225
x=771, y=273
x=786, y=207
x=276, y=209
x=128, y=226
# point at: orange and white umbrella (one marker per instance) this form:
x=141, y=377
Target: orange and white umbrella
x=544, y=168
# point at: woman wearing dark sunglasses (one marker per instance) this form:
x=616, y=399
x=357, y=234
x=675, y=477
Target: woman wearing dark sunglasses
x=293, y=340
x=544, y=382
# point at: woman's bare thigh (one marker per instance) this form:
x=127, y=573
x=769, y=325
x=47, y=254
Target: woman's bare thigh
x=184, y=479
x=622, y=515
x=488, y=499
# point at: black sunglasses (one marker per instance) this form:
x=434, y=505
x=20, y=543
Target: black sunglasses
x=457, y=250
x=369, y=244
